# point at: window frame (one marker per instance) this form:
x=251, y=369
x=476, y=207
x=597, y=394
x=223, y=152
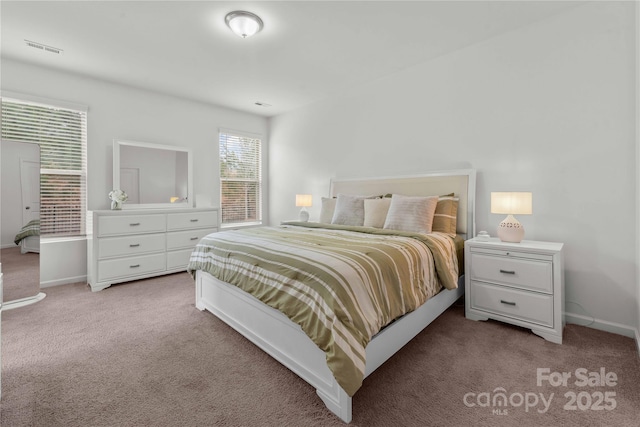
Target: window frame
x=260, y=180
x=80, y=222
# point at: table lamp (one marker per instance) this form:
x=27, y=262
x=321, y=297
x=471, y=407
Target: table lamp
x=511, y=203
x=304, y=201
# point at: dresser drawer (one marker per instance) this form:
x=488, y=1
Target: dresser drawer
x=182, y=221
x=187, y=239
x=109, y=225
x=521, y=273
x=178, y=259
x=523, y=305
x=131, y=266
x=130, y=245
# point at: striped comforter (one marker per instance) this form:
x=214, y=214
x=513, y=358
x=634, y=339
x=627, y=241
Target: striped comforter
x=342, y=285
x=31, y=229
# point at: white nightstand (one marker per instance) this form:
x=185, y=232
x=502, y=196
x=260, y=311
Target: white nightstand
x=518, y=283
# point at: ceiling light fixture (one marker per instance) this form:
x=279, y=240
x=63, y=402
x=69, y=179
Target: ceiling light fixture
x=244, y=24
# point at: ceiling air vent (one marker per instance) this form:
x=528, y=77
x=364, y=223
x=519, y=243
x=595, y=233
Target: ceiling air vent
x=43, y=47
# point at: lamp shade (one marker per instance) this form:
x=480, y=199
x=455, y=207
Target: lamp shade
x=511, y=203
x=304, y=200
x=514, y=203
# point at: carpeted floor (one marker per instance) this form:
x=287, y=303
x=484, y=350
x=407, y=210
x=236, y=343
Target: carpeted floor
x=141, y=354
x=21, y=273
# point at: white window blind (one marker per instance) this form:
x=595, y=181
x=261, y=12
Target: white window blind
x=62, y=136
x=240, y=179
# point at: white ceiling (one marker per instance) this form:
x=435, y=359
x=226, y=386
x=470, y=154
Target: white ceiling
x=307, y=51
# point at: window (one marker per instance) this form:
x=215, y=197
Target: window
x=240, y=179
x=62, y=136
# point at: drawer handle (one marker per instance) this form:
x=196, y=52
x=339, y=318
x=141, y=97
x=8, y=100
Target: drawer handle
x=194, y=220
x=507, y=302
x=134, y=266
x=133, y=224
x=507, y=271
x=194, y=238
x=135, y=245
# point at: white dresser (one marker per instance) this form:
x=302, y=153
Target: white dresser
x=134, y=244
x=519, y=283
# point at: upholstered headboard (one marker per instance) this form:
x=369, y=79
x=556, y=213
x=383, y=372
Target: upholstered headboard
x=460, y=182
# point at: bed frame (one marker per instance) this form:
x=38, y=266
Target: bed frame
x=30, y=244
x=285, y=341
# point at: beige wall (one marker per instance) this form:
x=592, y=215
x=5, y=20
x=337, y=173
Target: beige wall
x=547, y=108
x=118, y=111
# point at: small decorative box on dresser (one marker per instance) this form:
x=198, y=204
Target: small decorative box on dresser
x=134, y=244
x=519, y=283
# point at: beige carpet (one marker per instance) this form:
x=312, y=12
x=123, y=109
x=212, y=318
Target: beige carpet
x=140, y=354
x=21, y=273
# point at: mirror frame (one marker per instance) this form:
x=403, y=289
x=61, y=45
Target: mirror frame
x=117, y=143
x=25, y=298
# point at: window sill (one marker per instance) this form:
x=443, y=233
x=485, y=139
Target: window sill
x=61, y=239
x=239, y=225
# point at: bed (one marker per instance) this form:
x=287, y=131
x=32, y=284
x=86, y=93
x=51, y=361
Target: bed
x=336, y=364
x=28, y=238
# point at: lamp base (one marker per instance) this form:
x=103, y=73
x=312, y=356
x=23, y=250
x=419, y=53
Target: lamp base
x=510, y=230
x=304, y=215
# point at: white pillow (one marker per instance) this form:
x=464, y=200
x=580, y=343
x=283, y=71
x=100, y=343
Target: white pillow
x=349, y=210
x=327, y=210
x=414, y=214
x=375, y=212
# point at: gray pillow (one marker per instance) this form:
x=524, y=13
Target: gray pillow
x=349, y=210
x=414, y=214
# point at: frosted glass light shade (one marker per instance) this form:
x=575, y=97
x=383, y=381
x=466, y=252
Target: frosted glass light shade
x=244, y=24
x=514, y=203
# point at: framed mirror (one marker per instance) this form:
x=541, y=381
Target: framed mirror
x=20, y=226
x=153, y=175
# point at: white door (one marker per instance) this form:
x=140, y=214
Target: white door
x=130, y=183
x=30, y=187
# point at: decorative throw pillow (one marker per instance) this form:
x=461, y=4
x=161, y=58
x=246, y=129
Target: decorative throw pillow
x=349, y=210
x=446, y=217
x=414, y=214
x=375, y=212
x=327, y=209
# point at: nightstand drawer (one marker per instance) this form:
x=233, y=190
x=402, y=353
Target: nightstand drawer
x=521, y=273
x=527, y=306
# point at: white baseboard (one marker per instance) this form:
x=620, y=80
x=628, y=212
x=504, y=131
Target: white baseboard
x=63, y=281
x=638, y=341
x=603, y=325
